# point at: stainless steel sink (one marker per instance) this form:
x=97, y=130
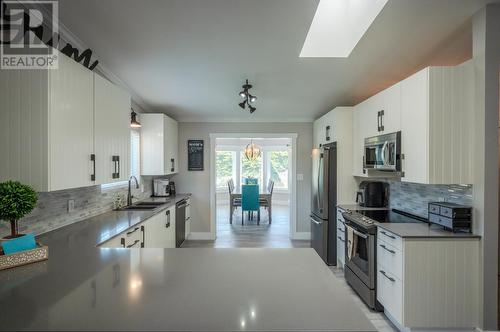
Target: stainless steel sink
x=138, y=208
x=149, y=203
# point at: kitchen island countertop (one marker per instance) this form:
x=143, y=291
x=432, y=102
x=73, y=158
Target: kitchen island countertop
x=84, y=287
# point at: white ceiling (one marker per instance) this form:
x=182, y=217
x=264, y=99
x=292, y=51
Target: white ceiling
x=189, y=58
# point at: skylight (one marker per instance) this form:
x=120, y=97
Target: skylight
x=338, y=25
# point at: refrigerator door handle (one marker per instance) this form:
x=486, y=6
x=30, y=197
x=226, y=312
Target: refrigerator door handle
x=318, y=196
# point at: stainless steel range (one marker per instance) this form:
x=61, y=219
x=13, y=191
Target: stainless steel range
x=361, y=249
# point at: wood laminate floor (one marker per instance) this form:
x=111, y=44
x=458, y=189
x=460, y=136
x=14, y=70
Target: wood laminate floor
x=276, y=235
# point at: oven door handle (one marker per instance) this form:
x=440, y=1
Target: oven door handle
x=364, y=236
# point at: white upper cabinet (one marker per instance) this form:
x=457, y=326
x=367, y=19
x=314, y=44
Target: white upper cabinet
x=159, y=144
x=437, y=132
x=47, y=131
x=112, y=131
x=50, y=131
x=388, y=104
x=336, y=126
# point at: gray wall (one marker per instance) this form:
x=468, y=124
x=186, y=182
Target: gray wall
x=198, y=183
x=51, y=211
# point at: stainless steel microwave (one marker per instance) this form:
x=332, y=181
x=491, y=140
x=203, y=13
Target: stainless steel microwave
x=383, y=152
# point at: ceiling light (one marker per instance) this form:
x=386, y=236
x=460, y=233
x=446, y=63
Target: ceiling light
x=133, y=120
x=248, y=97
x=252, y=151
x=338, y=26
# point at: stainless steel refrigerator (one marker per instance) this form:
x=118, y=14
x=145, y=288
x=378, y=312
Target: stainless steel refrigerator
x=324, y=202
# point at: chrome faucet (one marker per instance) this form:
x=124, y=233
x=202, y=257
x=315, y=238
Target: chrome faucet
x=129, y=193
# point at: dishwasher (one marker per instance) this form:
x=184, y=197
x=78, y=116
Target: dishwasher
x=180, y=222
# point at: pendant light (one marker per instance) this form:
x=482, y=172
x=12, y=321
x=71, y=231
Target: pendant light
x=133, y=120
x=252, y=151
x=248, y=98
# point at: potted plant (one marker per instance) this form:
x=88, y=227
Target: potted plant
x=16, y=201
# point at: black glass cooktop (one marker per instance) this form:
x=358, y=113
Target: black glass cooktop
x=391, y=216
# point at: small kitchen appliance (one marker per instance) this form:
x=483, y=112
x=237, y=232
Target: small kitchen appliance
x=372, y=194
x=161, y=187
x=383, y=152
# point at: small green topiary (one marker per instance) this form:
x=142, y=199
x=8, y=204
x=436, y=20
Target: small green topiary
x=16, y=201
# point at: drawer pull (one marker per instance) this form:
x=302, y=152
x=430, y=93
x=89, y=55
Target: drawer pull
x=388, y=235
x=133, y=244
x=389, y=250
x=132, y=232
x=385, y=275
x=341, y=239
x=340, y=229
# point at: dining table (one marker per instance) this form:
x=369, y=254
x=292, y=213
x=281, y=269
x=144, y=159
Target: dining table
x=264, y=194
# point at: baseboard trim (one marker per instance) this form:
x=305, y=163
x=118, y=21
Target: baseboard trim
x=301, y=236
x=200, y=236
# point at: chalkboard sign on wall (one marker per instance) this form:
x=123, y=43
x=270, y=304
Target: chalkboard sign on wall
x=195, y=155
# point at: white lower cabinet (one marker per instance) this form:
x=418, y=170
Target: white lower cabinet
x=188, y=219
x=340, y=238
x=428, y=283
x=160, y=230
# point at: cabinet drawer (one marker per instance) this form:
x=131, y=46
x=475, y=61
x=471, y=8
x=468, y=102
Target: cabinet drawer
x=133, y=237
x=443, y=221
x=389, y=238
x=434, y=209
x=390, y=259
x=390, y=294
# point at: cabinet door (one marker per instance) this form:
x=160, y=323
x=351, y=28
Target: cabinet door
x=171, y=146
x=112, y=131
x=155, y=232
x=414, y=128
x=357, y=141
x=369, y=117
x=153, y=144
x=170, y=219
x=389, y=101
x=71, y=125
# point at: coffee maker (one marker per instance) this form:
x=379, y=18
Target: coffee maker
x=161, y=187
x=372, y=194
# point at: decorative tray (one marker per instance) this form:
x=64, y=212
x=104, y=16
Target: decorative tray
x=38, y=254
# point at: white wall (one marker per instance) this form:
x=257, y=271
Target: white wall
x=486, y=56
x=198, y=183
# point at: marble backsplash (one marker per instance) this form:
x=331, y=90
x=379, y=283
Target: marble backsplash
x=51, y=211
x=413, y=197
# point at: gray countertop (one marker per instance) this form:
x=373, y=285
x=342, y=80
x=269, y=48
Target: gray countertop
x=422, y=230
x=83, y=287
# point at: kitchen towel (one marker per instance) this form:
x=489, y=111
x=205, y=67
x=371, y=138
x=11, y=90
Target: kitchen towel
x=352, y=242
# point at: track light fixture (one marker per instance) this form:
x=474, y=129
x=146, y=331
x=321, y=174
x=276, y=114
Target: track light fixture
x=248, y=98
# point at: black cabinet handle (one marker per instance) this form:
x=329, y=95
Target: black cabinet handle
x=388, y=235
x=132, y=232
x=341, y=239
x=385, y=275
x=327, y=133
x=382, y=120
x=143, y=237
x=133, y=244
x=116, y=166
x=378, y=121
x=92, y=158
x=389, y=250
x=173, y=165
x=167, y=225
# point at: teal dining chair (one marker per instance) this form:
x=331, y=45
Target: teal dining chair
x=250, y=181
x=250, y=201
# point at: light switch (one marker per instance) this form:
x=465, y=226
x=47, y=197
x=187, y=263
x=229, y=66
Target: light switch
x=300, y=177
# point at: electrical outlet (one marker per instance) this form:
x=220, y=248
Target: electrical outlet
x=71, y=205
x=300, y=177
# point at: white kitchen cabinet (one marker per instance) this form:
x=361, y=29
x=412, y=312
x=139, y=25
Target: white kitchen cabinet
x=159, y=144
x=340, y=239
x=160, y=230
x=188, y=219
x=47, y=126
x=389, y=103
x=436, y=131
x=49, y=129
x=111, y=131
x=428, y=283
x=115, y=242
x=340, y=124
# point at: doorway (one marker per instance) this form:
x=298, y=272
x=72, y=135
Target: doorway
x=274, y=164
